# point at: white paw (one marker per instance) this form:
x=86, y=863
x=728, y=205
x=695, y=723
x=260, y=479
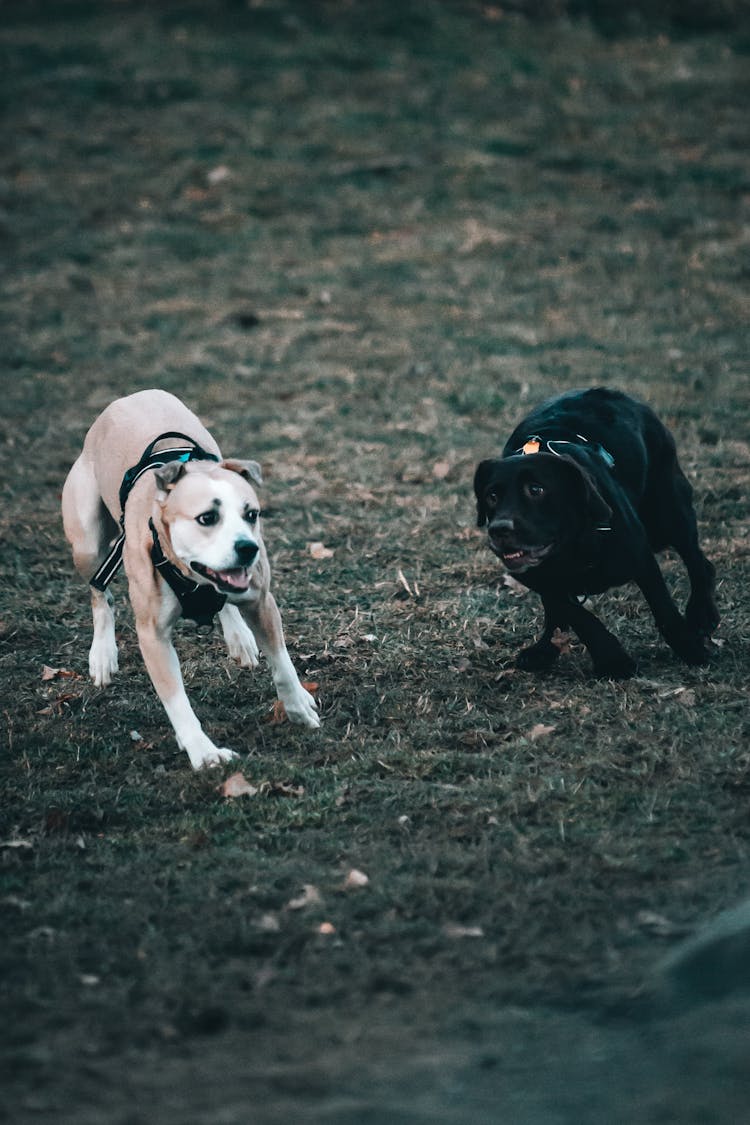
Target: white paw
x=206, y=759
x=301, y=707
x=103, y=661
x=241, y=646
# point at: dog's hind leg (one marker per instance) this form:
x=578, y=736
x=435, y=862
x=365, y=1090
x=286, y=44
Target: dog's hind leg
x=239, y=638
x=265, y=621
x=89, y=528
x=670, y=521
x=679, y=633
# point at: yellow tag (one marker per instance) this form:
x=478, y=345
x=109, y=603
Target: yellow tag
x=532, y=446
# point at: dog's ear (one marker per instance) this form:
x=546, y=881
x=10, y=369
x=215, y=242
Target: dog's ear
x=481, y=480
x=166, y=477
x=250, y=470
x=594, y=504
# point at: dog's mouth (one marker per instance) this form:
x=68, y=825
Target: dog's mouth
x=521, y=557
x=235, y=580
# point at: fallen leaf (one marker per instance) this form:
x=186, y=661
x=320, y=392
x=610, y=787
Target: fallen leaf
x=218, y=175
x=441, y=469
x=326, y=928
x=268, y=923
x=284, y=789
x=355, y=879
x=56, y=706
x=561, y=641
x=319, y=551
x=454, y=930
x=277, y=714
x=514, y=585
x=656, y=923
x=237, y=785
x=58, y=673
x=310, y=897
x=415, y=593
x=539, y=730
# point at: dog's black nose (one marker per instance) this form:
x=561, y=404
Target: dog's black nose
x=501, y=528
x=245, y=550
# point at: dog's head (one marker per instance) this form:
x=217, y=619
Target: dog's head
x=212, y=516
x=536, y=505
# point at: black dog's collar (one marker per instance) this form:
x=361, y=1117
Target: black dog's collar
x=535, y=443
x=198, y=602
x=194, y=606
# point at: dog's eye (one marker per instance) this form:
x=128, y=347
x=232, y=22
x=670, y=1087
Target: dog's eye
x=208, y=519
x=251, y=515
x=534, y=490
x=491, y=499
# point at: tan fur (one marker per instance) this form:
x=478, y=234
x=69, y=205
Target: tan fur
x=173, y=499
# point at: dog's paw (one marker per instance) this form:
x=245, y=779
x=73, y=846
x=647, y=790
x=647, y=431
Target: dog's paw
x=615, y=666
x=702, y=616
x=103, y=661
x=538, y=657
x=208, y=758
x=691, y=648
x=300, y=707
x=241, y=644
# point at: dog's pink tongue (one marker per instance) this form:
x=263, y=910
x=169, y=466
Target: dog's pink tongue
x=236, y=578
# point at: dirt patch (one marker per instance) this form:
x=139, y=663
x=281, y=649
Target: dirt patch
x=361, y=241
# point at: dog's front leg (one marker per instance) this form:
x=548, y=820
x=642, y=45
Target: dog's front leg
x=609, y=657
x=265, y=621
x=163, y=666
x=543, y=654
x=239, y=639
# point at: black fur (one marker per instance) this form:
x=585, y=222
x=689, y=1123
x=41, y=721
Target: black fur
x=567, y=522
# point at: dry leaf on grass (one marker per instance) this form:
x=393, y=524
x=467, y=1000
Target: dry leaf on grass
x=656, y=924
x=58, y=673
x=355, y=879
x=561, y=641
x=514, y=585
x=454, y=930
x=319, y=551
x=310, y=897
x=218, y=174
x=56, y=706
x=326, y=928
x=540, y=730
x=441, y=469
x=415, y=593
x=283, y=789
x=237, y=785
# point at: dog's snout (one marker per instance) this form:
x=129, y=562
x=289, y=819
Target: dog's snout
x=246, y=550
x=501, y=527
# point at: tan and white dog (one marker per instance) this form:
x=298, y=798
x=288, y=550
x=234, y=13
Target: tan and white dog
x=205, y=516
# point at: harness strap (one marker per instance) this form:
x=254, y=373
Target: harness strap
x=106, y=570
x=198, y=602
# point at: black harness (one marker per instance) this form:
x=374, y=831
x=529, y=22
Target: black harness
x=198, y=602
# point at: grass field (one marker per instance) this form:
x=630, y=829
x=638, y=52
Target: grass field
x=361, y=241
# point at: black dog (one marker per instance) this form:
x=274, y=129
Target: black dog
x=587, y=489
